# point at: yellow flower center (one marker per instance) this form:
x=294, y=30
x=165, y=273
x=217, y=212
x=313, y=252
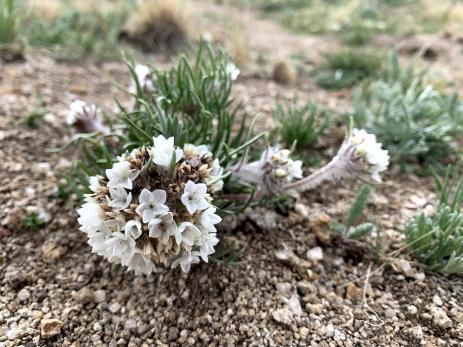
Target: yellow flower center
x=361, y=150
x=280, y=172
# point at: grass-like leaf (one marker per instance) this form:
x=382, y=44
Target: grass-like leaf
x=356, y=209
x=345, y=68
x=303, y=125
x=437, y=240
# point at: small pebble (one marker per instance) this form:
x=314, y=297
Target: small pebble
x=315, y=254
x=114, y=307
x=23, y=295
x=437, y=300
x=389, y=313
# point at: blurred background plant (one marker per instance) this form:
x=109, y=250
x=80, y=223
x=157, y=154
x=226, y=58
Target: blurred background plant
x=415, y=122
x=299, y=126
x=158, y=25
x=346, y=68
x=76, y=28
x=357, y=21
x=436, y=239
x=8, y=21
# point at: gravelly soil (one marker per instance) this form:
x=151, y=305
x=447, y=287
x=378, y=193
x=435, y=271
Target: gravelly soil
x=279, y=297
x=55, y=292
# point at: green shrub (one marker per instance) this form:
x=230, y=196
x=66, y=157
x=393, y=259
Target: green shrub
x=299, y=125
x=78, y=33
x=8, y=21
x=437, y=240
x=344, y=69
x=413, y=120
x=191, y=102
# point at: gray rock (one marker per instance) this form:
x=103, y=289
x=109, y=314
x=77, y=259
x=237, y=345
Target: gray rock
x=284, y=288
x=283, y=316
x=305, y=288
x=84, y=296
x=389, y=313
x=114, y=307
x=439, y=317
x=23, y=295
x=99, y=296
x=416, y=332
x=130, y=324
x=411, y=309
x=295, y=305
x=173, y=333
x=437, y=300
x=329, y=330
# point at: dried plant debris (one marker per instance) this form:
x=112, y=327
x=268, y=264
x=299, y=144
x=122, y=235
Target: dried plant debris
x=159, y=25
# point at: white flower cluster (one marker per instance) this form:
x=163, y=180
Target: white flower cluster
x=359, y=156
x=154, y=207
x=373, y=157
x=86, y=118
x=145, y=80
x=274, y=169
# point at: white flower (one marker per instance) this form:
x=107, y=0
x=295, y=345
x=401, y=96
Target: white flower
x=370, y=149
x=232, y=71
x=163, y=227
x=206, y=243
x=111, y=226
x=94, y=183
x=144, y=78
x=359, y=155
x=208, y=218
x=91, y=216
x=120, y=198
x=120, y=248
x=121, y=175
x=86, y=118
x=133, y=229
x=193, y=197
x=186, y=234
x=140, y=263
x=97, y=240
x=151, y=204
x=294, y=169
x=163, y=150
x=77, y=108
x=216, y=172
x=185, y=261
x=199, y=151
x=274, y=169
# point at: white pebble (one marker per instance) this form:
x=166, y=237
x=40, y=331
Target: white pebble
x=437, y=300
x=114, y=307
x=315, y=254
x=412, y=309
x=329, y=330
x=99, y=295
x=24, y=294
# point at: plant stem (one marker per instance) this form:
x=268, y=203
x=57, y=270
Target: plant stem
x=325, y=173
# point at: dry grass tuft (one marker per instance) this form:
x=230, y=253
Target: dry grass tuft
x=48, y=10
x=159, y=25
x=284, y=72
